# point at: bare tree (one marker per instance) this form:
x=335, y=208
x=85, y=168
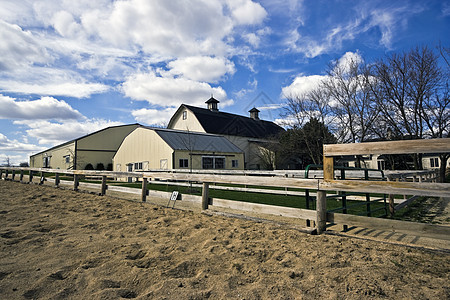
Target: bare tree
x=348, y=87
x=405, y=83
x=7, y=162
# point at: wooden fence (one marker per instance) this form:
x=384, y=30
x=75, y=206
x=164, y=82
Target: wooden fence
x=289, y=179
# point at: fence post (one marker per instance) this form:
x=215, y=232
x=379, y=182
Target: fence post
x=6, y=174
x=391, y=205
x=321, y=208
x=21, y=176
x=42, y=178
x=30, y=176
x=56, y=179
x=308, y=222
x=144, y=189
x=1, y=174
x=75, y=182
x=103, y=191
x=13, y=174
x=205, y=195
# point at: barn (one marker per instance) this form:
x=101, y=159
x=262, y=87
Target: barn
x=148, y=148
x=251, y=134
x=92, y=149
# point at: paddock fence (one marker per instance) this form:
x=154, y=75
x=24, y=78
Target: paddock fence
x=325, y=183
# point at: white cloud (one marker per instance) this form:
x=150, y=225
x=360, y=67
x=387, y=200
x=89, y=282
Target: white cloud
x=302, y=85
x=247, y=12
x=53, y=133
x=168, y=28
x=169, y=91
x=14, y=158
x=154, y=116
x=389, y=21
x=44, y=108
x=254, y=38
x=347, y=59
x=16, y=146
x=19, y=48
x=69, y=89
x=68, y=48
x=202, y=68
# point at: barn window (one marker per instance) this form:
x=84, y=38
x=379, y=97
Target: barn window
x=138, y=166
x=184, y=115
x=213, y=162
x=434, y=162
x=235, y=163
x=46, y=162
x=183, y=163
x=67, y=159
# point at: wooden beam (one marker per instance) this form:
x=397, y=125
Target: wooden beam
x=328, y=168
x=391, y=147
x=144, y=190
x=104, y=186
x=428, y=230
x=321, y=211
x=388, y=187
x=57, y=180
x=205, y=195
x=75, y=182
x=235, y=179
x=290, y=212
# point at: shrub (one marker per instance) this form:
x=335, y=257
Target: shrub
x=89, y=167
x=109, y=167
x=100, y=167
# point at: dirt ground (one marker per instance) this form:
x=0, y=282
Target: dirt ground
x=60, y=244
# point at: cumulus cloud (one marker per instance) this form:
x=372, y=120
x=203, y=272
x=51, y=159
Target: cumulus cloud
x=169, y=28
x=348, y=59
x=254, y=38
x=19, y=48
x=69, y=48
x=54, y=133
x=16, y=146
x=202, y=68
x=44, y=108
x=247, y=12
x=302, y=85
x=169, y=91
x=154, y=116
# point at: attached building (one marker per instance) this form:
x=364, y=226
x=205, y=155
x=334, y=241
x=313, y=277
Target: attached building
x=149, y=148
x=250, y=134
x=95, y=148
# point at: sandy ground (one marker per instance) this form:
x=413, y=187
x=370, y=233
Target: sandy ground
x=60, y=244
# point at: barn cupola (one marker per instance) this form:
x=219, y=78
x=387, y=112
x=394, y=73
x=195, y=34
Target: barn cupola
x=212, y=104
x=254, y=113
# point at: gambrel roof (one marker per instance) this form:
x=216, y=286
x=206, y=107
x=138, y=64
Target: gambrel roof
x=217, y=122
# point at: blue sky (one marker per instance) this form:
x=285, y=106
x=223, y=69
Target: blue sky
x=68, y=68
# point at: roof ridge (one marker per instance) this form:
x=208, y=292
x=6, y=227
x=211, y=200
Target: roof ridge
x=228, y=113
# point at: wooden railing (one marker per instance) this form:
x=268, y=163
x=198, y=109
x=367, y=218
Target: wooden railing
x=286, y=179
x=389, y=187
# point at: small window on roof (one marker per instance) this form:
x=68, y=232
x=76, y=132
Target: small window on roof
x=184, y=115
